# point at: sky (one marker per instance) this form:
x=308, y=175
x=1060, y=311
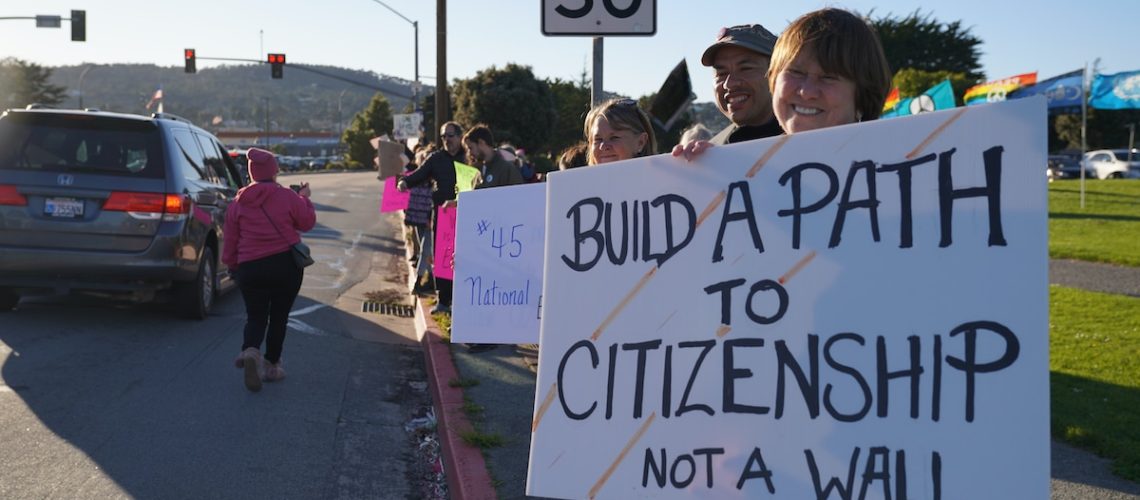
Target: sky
x=1047, y=36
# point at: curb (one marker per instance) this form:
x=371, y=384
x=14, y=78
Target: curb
x=463, y=464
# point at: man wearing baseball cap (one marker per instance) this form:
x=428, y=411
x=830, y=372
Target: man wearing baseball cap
x=739, y=58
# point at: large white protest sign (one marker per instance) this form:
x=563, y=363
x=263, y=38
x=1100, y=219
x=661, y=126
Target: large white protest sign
x=853, y=312
x=499, y=239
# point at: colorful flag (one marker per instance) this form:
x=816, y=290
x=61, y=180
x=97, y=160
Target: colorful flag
x=996, y=90
x=892, y=101
x=156, y=98
x=1118, y=91
x=1061, y=91
x=940, y=96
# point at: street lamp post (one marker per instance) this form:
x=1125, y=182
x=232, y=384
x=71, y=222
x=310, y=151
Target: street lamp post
x=80, y=85
x=416, y=28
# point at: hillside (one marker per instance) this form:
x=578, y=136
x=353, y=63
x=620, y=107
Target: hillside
x=234, y=96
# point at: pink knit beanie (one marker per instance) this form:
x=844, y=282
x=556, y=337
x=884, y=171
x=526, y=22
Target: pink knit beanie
x=262, y=164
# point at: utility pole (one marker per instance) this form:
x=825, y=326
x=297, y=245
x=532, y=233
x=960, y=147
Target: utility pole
x=442, y=106
x=1131, y=141
x=596, y=89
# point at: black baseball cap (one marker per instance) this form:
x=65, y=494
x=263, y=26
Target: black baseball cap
x=749, y=36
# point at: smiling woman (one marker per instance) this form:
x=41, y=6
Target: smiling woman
x=828, y=68
x=618, y=130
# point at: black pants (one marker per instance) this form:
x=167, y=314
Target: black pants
x=269, y=286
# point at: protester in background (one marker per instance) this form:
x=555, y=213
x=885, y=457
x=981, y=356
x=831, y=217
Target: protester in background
x=518, y=157
x=697, y=132
x=494, y=168
x=574, y=156
x=618, y=130
x=417, y=217
x=262, y=224
x=828, y=69
x=422, y=195
x=440, y=168
x=739, y=58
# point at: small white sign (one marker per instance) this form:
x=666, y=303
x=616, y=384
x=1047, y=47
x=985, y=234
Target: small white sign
x=499, y=241
x=407, y=126
x=599, y=17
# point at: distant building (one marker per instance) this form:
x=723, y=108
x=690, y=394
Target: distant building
x=295, y=143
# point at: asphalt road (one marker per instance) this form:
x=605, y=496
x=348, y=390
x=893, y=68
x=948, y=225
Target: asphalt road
x=99, y=400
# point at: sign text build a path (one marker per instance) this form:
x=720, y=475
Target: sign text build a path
x=854, y=312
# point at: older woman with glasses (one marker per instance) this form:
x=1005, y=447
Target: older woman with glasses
x=618, y=130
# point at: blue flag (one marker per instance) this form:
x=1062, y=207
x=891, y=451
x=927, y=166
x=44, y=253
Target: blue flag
x=1119, y=91
x=1061, y=91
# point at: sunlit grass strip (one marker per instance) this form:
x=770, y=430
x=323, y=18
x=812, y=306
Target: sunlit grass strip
x=1106, y=230
x=1095, y=374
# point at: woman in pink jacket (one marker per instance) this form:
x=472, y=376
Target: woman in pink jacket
x=262, y=224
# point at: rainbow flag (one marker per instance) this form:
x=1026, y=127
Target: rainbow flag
x=997, y=90
x=892, y=100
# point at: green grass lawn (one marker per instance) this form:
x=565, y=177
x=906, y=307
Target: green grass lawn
x=1095, y=374
x=1106, y=230
x=1095, y=337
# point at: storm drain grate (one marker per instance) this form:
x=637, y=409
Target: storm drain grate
x=400, y=310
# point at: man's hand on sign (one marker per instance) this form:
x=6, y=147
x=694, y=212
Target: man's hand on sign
x=401, y=186
x=450, y=203
x=692, y=149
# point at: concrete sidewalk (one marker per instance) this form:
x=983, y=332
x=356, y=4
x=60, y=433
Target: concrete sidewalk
x=506, y=393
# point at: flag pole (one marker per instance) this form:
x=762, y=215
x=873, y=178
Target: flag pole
x=1084, y=125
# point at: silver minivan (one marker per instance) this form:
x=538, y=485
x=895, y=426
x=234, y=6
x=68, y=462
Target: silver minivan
x=112, y=204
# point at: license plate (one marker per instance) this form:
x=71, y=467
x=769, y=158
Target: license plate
x=68, y=208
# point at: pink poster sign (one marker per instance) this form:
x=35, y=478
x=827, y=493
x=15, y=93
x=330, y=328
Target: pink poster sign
x=393, y=200
x=445, y=243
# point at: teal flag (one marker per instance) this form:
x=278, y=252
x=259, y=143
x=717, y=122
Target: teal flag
x=935, y=98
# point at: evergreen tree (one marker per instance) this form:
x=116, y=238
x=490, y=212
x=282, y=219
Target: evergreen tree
x=517, y=106
x=23, y=83
x=920, y=42
x=374, y=121
x=572, y=102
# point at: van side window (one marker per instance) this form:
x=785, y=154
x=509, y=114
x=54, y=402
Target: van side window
x=215, y=166
x=190, y=155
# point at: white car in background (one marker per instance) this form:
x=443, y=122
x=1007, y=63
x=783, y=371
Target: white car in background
x=1111, y=164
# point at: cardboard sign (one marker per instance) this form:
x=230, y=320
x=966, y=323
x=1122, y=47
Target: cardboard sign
x=391, y=158
x=858, y=311
x=500, y=234
x=393, y=199
x=444, y=266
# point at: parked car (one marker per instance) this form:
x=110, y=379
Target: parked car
x=1063, y=166
x=1108, y=164
x=112, y=204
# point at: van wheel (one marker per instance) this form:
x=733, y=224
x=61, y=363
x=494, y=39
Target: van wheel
x=194, y=299
x=8, y=300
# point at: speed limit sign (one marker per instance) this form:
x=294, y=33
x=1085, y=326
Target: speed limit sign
x=599, y=17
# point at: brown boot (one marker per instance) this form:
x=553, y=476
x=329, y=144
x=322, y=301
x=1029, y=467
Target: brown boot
x=253, y=365
x=274, y=371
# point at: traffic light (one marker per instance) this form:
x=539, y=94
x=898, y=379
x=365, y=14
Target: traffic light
x=276, y=64
x=191, y=64
x=79, y=26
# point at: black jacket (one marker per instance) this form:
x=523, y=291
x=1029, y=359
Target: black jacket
x=439, y=167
